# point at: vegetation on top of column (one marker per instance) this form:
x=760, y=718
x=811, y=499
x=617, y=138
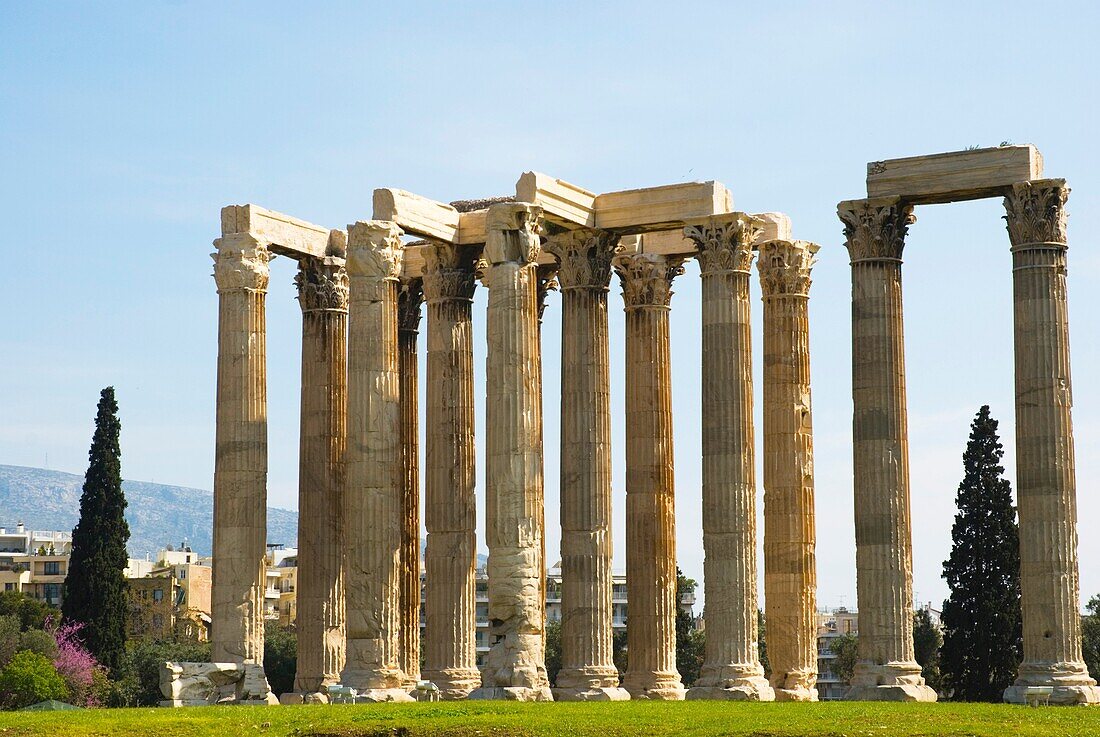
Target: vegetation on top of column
x=982, y=630
x=95, y=588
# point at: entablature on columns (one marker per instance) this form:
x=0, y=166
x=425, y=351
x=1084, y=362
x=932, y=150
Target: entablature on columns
x=646, y=220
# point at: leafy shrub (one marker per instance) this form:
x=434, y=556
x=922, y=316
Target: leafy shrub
x=280, y=658
x=29, y=678
x=31, y=613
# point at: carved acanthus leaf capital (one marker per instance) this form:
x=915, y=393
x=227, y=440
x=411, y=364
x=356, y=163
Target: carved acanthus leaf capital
x=875, y=229
x=512, y=233
x=322, y=284
x=584, y=257
x=375, y=249
x=785, y=267
x=1036, y=212
x=546, y=281
x=646, y=278
x=724, y=242
x=410, y=297
x=241, y=264
x=449, y=271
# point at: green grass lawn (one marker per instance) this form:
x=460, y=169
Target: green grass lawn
x=499, y=719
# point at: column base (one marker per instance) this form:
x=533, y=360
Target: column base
x=592, y=683
x=295, y=698
x=605, y=693
x=895, y=681
x=654, y=687
x=796, y=694
x=455, y=684
x=1070, y=683
x=731, y=683
x=511, y=693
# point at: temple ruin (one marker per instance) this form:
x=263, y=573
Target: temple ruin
x=362, y=293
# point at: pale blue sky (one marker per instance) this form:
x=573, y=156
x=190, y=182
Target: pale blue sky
x=124, y=127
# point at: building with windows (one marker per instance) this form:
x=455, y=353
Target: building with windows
x=830, y=626
x=34, y=562
x=172, y=600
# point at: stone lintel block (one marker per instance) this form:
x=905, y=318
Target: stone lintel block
x=774, y=226
x=954, y=176
x=428, y=218
x=281, y=233
x=660, y=208
x=561, y=201
x=417, y=215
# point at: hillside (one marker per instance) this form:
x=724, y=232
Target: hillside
x=159, y=515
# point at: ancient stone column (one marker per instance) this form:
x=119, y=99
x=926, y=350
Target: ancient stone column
x=588, y=671
x=1045, y=479
x=409, y=301
x=375, y=465
x=515, y=667
x=731, y=669
x=790, y=569
x=323, y=296
x=650, y=511
x=887, y=669
x=240, y=456
x=450, y=560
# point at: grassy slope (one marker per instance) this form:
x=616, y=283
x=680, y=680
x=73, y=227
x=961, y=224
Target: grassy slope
x=692, y=719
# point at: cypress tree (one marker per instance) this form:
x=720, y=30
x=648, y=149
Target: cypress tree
x=95, y=588
x=982, y=631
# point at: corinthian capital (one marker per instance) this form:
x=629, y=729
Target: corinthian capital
x=512, y=233
x=546, y=281
x=785, y=267
x=584, y=257
x=724, y=242
x=1036, y=212
x=322, y=284
x=875, y=229
x=646, y=278
x=409, y=299
x=375, y=249
x=449, y=271
x=240, y=264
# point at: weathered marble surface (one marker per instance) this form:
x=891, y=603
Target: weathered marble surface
x=790, y=564
x=514, y=667
x=731, y=667
x=204, y=684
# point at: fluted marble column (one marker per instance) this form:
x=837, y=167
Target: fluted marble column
x=408, y=324
x=588, y=670
x=650, y=505
x=375, y=467
x=323, y=296
x=887, y=668
x=515, y=667
x=450, y=560
x=790, y=568
x=240, y=455
x=1045, y=477
x=731, y=668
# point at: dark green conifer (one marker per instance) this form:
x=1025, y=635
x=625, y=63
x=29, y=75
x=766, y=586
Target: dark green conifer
x=95, y=587
x=982, y=632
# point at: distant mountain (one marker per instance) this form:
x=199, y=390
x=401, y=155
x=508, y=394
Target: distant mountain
x=159, y=515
